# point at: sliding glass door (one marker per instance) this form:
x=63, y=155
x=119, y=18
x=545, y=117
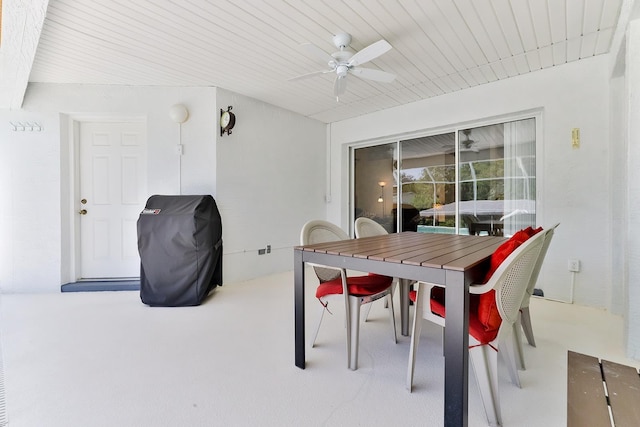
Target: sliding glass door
x=428, y=182
x=375, y=184
x=477, y=180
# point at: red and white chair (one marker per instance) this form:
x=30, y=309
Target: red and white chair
x=366, y=227
x=354, y=291
x=494, y=310
x=524, y=319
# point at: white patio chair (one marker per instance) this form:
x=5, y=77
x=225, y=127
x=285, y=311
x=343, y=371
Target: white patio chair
x=524, y=318
x=366, y=227
x=509, y=282
x=353, y=290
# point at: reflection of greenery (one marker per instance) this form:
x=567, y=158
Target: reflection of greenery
x=489, y=180
x=487, y=176
x=406, y=178
x=489, y=169
x=448, y=222
x=422, y=194
x=486, y=190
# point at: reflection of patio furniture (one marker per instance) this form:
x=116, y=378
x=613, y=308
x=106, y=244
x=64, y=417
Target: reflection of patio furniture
x=410, y=218
x=476, y=226
x=469, y=221
x=496, y=208
x=493, y=228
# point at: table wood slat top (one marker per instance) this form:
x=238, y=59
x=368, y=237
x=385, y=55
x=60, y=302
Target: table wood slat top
x=420, y=249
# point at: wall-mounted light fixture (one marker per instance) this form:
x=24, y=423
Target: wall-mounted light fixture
x=381, y=198
x=227, y=121
x=179, y=113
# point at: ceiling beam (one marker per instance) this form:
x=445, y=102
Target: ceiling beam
x=22, y=22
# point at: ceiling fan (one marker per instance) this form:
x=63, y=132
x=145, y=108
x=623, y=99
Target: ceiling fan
x=466, y=144
x=344, y=62
x=469, y=143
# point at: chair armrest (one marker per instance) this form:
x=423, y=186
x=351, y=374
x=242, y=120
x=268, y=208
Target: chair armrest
x=424, y=307
x=312, y=264
x=480, y=288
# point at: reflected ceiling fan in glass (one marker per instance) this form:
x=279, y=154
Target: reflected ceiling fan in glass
x=466, y=143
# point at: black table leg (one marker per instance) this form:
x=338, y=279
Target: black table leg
x=404, y=306
x=298, y=277
x=456, y=350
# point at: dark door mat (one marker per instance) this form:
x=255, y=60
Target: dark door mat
x=107, y=285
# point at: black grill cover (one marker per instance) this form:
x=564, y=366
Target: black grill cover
x=180, y=246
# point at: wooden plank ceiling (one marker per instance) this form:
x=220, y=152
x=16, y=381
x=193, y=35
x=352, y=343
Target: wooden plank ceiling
x=252, y=47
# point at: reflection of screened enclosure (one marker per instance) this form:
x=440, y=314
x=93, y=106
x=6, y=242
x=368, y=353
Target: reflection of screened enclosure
x=480, y=179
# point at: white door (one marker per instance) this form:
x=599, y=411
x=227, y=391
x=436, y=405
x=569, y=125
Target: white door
x=112, y=194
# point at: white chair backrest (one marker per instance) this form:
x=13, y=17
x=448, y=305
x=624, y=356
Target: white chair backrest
x=366, y=227
x=536, y=271
x=511, y=278
x=319, y=231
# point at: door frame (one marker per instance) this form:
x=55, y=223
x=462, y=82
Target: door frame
x=70, y=186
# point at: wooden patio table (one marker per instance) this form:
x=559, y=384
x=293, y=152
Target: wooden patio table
x=450, y=260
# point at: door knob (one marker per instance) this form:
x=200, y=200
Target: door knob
x=83, y=212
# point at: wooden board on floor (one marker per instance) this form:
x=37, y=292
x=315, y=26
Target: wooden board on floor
x=623, y=386
x=601, y=393
x=586, y=400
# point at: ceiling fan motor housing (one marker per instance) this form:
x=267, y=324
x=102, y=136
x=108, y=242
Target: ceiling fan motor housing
x=342, y=40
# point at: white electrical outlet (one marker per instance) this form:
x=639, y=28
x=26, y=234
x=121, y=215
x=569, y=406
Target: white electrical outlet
x=574, y=265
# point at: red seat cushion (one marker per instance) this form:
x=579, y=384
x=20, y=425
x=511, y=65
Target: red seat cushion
x=357, y=285
x=476, y=328
x=488, y=314
x=484, y=318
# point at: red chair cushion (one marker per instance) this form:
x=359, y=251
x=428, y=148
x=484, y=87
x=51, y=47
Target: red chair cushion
x=437, y=301
x=357, y=285
x=484, y=318
x=476, y=328
x=488, y=314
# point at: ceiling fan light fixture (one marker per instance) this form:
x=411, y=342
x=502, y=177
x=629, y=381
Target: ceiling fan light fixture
x=342, y=70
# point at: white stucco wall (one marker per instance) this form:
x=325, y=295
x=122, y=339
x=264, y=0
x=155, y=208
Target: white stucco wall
x=573, y=184
x=265, y=177
x=271, y=180
x=632, y=76
x=618, y=194
x=30, y=234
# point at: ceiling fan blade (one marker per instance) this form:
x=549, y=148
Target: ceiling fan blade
x=371, y=74
x=305, y=76
x=315, y=51
x=370, y=52
x=339, y=86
